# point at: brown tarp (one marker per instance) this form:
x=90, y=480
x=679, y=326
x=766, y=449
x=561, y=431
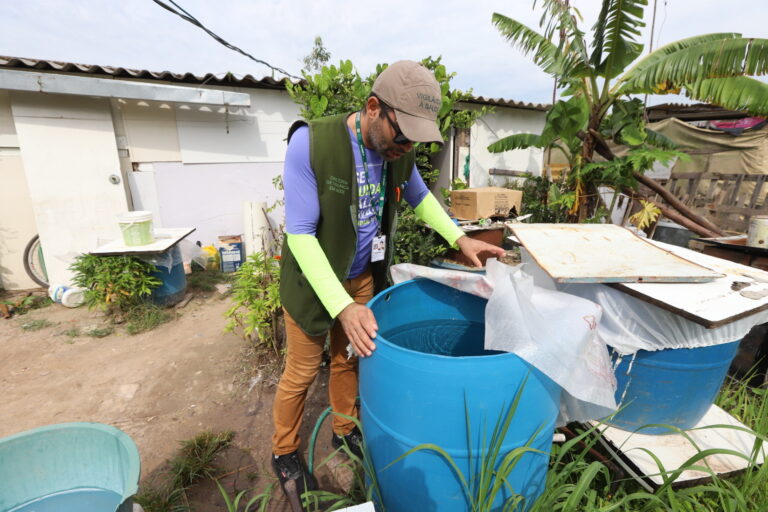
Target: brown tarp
x=716, y=151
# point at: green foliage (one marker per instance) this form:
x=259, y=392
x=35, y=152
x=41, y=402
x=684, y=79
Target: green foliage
x=144, y=317
x=256, y=297
x=194, y=461
x=205, y=280
x=365, y=484
x=196, y=458
x=333, y=90
x=36, y=325
x=317, y=58
x=233, y=505
x=415, y=242
x=114, y=282
x=456, y=184
x=25, y=304
x=72, y=332
x=596, y=86
x=544, y=200
x=100, y=332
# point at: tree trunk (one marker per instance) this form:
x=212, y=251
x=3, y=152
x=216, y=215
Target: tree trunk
x=678, y=205
x=681, y=213
x=675, y=216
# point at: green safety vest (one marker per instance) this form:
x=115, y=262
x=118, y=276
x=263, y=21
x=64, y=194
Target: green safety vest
x=332, y=160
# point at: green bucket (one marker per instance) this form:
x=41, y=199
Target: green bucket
x=136, y=228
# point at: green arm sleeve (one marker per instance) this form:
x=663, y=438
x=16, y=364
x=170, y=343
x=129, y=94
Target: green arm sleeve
x=430, y=211
x=314, y=263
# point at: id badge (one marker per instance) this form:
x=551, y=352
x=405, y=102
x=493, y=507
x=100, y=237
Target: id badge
x=378, y=247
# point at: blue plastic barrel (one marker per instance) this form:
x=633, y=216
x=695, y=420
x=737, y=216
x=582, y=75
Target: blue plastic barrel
x=669, y=387
x=174, y=281
x=430, y=381
x=70, y=467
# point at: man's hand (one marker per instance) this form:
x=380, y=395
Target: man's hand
x=360, y=326
x=471, y=248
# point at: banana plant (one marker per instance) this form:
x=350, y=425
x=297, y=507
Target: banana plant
x=597, y=83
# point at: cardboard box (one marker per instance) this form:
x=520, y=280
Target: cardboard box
x=231, y=252
x=485, y=202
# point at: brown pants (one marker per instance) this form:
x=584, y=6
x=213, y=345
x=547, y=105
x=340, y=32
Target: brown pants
x=302, y=362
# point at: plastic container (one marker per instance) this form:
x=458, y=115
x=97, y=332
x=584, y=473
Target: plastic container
x=669, y=387
x=757, y=233
x=70, y=297
x=136, y=228
x=70, y=467
x=173, y=279
x=428, y=379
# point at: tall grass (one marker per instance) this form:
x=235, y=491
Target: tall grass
x=576, y=482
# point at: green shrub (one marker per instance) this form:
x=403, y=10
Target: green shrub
x=114, y=283
x=256, y=296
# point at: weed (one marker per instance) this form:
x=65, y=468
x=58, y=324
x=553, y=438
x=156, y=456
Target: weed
x=262, y=499
x=72, y=332
x=161, y=498
x=205, y=280
x=36, y=325
x=144, y=317
x=195, y=459
x=99, y=332
x=256, y=296
x=193, y=462
x=25, y=304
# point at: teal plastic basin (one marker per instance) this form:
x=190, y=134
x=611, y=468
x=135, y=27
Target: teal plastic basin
x=69, y=467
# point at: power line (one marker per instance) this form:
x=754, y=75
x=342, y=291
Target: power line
x=183, y=14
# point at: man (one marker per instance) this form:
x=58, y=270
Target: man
x=344, y=179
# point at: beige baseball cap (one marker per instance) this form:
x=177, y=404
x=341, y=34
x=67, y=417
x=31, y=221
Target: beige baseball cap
x=411, y=89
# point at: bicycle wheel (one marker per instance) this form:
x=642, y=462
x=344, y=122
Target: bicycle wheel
x=34, y=263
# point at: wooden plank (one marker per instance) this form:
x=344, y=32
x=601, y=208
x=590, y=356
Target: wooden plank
x=756, y=192
x=604, y=253
x=711, y=304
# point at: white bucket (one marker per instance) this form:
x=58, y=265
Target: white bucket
x=136, y=228
x=757, y=235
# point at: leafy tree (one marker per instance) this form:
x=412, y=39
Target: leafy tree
x=597, y=83
x=318, y=57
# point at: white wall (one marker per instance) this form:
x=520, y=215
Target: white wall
x=237, y=134
x=69, y=150
x=494, y=126
x=17, y=219
x=205, y=161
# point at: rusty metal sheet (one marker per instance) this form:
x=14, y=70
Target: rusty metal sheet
x=604, y=253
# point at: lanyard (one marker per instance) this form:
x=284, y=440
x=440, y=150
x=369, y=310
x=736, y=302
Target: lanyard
x=378, y=204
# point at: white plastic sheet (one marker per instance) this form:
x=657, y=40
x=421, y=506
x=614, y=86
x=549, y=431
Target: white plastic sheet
x=629, y=324
x=553, y=331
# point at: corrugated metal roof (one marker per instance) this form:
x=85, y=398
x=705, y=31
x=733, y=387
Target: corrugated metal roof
x=501, y=102
x=228, y=79
x=691, y=112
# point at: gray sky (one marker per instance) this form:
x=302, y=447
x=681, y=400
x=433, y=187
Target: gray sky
x=140, y=34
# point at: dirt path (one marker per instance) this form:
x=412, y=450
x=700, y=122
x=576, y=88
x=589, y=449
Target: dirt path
x=159, y=387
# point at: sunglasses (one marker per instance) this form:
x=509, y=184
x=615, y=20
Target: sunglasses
x=399, y=138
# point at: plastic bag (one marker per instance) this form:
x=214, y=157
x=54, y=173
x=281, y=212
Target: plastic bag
x=630, y=324
x=553, y=331
x=556, y=333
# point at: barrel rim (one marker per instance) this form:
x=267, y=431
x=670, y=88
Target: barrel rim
x=480, y=359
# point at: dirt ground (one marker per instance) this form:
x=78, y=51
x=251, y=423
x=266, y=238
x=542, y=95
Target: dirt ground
x=160, y=387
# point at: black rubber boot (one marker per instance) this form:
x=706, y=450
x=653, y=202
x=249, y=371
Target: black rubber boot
x=294, y=478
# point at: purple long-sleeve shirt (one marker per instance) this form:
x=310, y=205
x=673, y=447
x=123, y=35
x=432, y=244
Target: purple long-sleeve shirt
x=302, y=205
